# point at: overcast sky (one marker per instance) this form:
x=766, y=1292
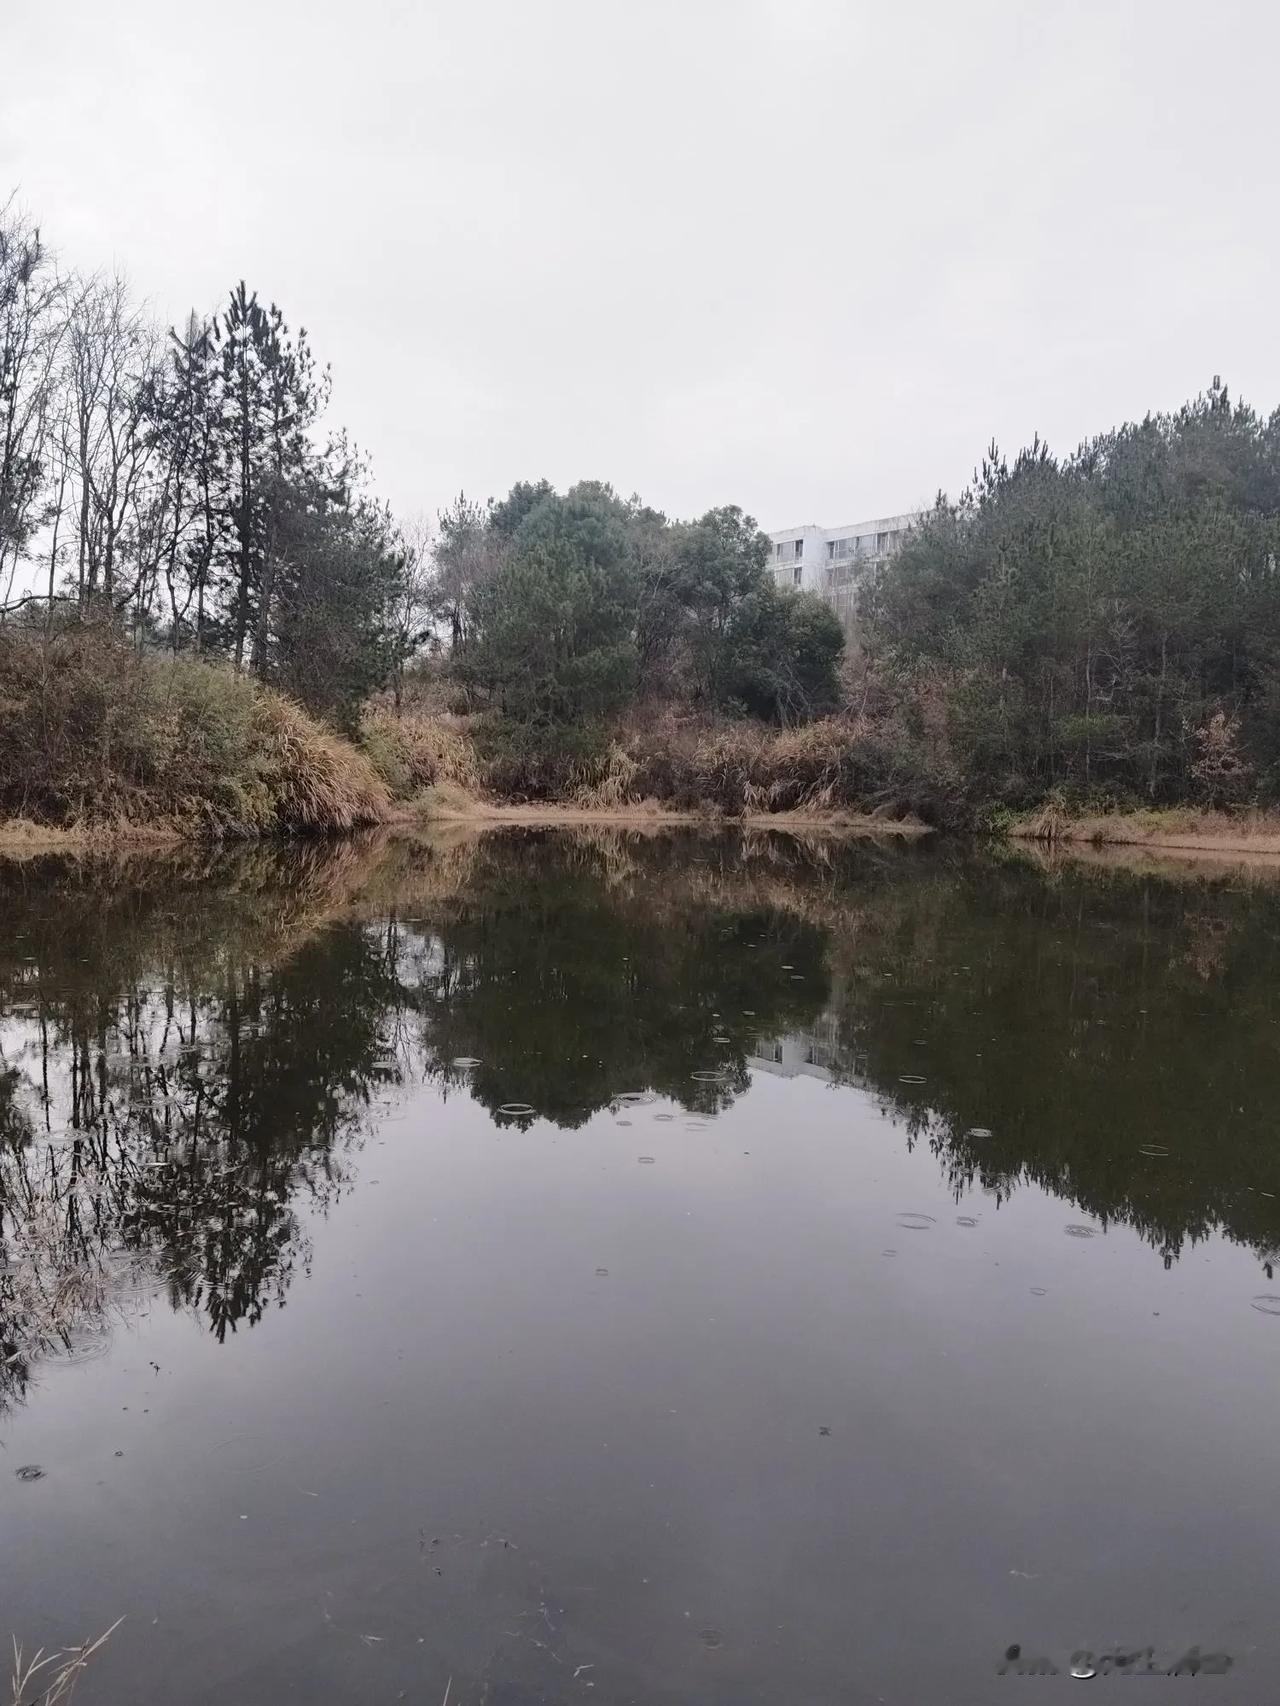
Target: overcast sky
x=808, y=256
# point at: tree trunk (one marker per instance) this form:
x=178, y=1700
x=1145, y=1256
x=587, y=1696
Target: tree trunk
x=246, y=487
x=1159, y=729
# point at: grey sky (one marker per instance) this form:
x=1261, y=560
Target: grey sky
x=803, y=255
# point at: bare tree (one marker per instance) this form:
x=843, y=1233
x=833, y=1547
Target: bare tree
x=111, y=367
x=32, y=326
x=414, y=604
x=61, y=464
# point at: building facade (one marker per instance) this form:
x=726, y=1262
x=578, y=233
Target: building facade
x=835, y=562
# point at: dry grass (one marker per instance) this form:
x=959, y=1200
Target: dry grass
x=316, y=780
x=1182, y=830
x=1048, y=825
x=49, y=1679
x=661, y=764
x=412, y=753
x=98, y=743
x=614, y=786
x=749, y=769
x=20, y=838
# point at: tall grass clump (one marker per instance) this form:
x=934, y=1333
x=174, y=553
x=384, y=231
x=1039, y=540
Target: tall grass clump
x=413, y=752
x=736, y=767
x=708, y=764
x=316, y=781
x=94, y=735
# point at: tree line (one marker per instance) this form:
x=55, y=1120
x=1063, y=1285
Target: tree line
x=563, y=608
x=181, y=485
x=1106, y=625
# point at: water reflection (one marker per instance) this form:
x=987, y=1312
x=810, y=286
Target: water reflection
x=1105, y=1035
x=574, y=972
x=186, y=1057
x=190, y=1050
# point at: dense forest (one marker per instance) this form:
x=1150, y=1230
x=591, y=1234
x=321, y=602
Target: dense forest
x=1107, y=625
x=206, y=613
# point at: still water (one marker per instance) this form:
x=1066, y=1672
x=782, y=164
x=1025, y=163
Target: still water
x=616, y=1269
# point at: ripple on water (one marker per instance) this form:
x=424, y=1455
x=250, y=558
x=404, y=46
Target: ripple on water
x=645, y=1160
x=30, y=1472
x=1082, y=1231
x=708, y=1077
x=85, y=1343
x=1267, y=1304
x=911, y=1078
x=517, y=1108
x=978, y=1131
x=916, y=1222
x=965, y=1220
x=635, y=1098
x=465, y=1061
x=1156, y=1149
x=244, y=1454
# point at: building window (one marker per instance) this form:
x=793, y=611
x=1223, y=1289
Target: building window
x=796, y=573
x=831, y=547
x=799, y=547
x=777, y=550
x=882, y=541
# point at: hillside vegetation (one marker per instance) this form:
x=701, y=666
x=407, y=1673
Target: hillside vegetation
x=208, y=620
x=93, y=736
x=1100, y=630
x=664, y=759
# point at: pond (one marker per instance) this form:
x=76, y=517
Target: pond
x=609, y=1268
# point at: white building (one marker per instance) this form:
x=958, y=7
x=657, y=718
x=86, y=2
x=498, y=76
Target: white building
x=836, y=561
x=814, y=1053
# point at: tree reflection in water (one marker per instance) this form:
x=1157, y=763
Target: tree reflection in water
x=192, y=1048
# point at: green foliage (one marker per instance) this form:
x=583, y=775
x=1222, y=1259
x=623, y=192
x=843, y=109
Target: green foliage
x=695, y=608
x=589, y=600
x=337, y=580
x=505, y=518
x=465, y=557
x=552, y=628
x=781, y=651
x=1095, y=621
x=266, y=398
x=552, y=639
